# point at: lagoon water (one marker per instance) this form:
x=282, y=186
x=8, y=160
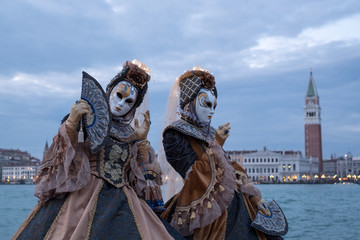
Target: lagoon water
x=313, y=211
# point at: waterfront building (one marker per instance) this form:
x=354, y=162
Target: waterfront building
x=19, y=173
x=348, y=167
x=15, y=158
x=276, y=166
x=330, y=167
x=312, y=110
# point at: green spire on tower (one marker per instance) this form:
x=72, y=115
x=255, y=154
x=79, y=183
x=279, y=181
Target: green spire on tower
x=311, y=91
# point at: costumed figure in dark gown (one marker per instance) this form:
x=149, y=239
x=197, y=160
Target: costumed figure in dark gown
x=106, y=187
x=217, y=200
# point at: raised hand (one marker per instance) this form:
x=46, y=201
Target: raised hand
x=222, y=133
x=142, y=131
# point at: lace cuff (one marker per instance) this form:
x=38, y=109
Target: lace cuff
x=65, y=168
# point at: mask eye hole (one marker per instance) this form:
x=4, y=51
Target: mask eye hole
x=208, y=104
x=119, y=95
x=129, y=101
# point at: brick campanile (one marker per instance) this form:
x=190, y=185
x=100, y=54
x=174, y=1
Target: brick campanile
x=313, y=145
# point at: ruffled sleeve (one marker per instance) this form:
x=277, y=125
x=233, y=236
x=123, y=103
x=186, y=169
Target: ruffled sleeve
x=208, y=189
x=178, y=151
x=244, y=184
x=144, y=174
x=65, y=168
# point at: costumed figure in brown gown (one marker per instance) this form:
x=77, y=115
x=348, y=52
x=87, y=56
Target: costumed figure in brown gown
x=106, y=187
x=217, y=200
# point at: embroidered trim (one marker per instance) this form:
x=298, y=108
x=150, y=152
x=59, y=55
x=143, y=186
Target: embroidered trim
x=56, y=219
x=27, y=221
x=210, y=188
x=114, y=153
x=192, y=131
x=217, y=196
x=251, y=217
x=93, y=211
x=226, y=216
x=133, y=213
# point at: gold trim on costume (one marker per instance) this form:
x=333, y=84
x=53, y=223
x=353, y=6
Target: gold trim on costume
x=55, y=220
x=251, y=217
x=226, y=216
x=27, y=221
x=93, y=211
x=132, y=211
x=208, y=190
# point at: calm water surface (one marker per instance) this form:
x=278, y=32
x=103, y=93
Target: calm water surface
x=313, y=211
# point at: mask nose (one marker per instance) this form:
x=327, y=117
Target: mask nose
x=121, y=103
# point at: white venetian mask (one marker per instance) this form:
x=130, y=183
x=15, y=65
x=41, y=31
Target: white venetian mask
x=205, y=105
x=122, y=98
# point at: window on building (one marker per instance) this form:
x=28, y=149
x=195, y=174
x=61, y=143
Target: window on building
x=257, y=160
x=272, y=160
x=276, y=160
x=272, y=170
x=294, y=167
x=284, y=167
x=268, y=170
x=276, y=170
x=289, y=167
x=245, y=160
x=246, y=170
x=264, y=170
x=253, y=160
x=260, y=159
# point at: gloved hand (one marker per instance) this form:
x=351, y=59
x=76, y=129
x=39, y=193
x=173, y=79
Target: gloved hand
x=222, y=133
x=143, y=150
x=260, y=204
x=77, y=110
x=142, y=131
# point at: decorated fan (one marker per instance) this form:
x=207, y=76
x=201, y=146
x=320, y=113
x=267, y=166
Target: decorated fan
x=97, y=121
x=275, y=224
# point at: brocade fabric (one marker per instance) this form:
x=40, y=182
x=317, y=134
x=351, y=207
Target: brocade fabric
x=76, y=202
x=212, y=189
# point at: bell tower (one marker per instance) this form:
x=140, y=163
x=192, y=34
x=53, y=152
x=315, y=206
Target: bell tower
x=313, y=144
x=46, y=149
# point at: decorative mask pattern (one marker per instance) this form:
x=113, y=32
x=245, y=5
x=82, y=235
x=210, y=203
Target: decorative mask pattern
x=205, y=105
x=122, y=98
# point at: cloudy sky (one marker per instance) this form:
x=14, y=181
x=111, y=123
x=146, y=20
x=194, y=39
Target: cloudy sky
x=259, y=51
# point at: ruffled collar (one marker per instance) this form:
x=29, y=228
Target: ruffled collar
x=122, y=131
x=206, y=133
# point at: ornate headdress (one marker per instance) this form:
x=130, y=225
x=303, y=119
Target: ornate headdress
x=136, y=73
x=192, y=81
